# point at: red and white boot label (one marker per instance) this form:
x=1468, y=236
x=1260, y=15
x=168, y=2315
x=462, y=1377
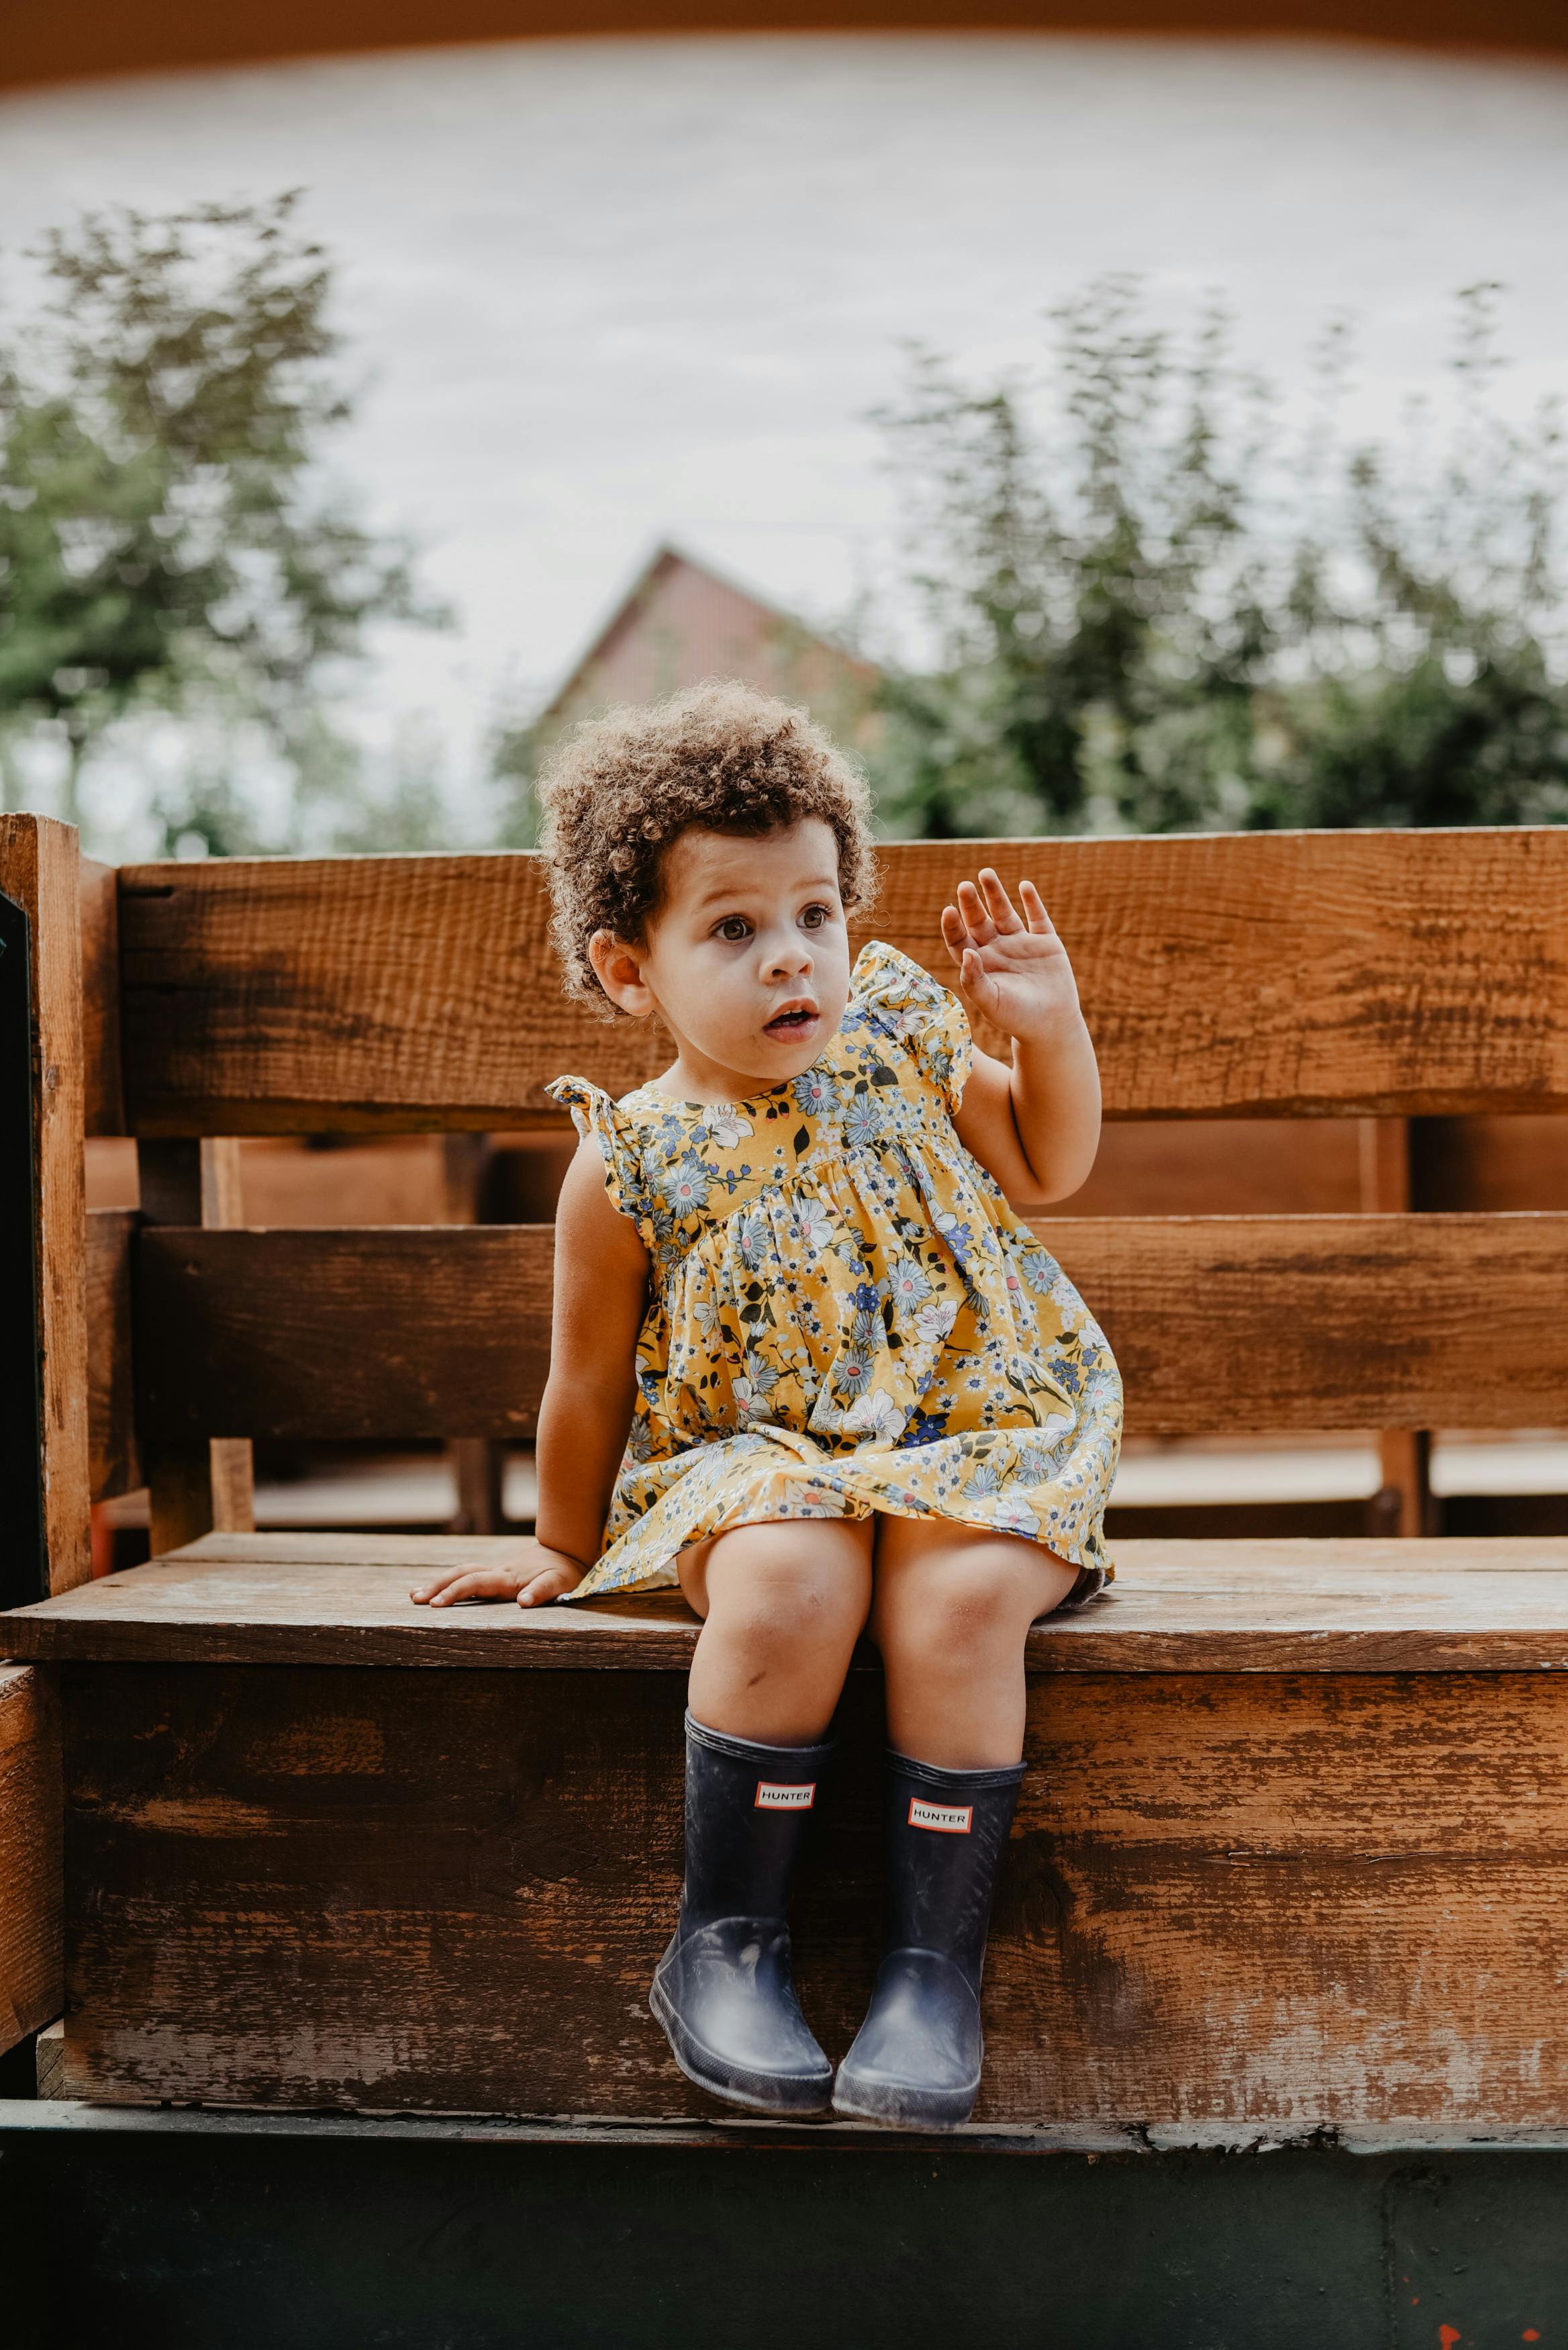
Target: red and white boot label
x=773, y=1796
x=950, y=1819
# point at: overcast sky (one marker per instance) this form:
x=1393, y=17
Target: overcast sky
x=603, y=293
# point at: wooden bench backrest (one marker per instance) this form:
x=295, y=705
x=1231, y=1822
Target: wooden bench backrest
x=1306, y=975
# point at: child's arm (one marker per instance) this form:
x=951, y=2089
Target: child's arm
x=601, y=1289
x=1036, y=1126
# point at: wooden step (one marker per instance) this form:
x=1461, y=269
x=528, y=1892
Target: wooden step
x=1497, y=1603
x=1293, y=1848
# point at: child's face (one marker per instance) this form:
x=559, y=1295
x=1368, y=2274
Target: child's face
x=747, y=961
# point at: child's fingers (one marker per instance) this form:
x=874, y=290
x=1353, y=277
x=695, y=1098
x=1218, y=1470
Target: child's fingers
x=1040, y=921
x=976, y=914
x=955, y=933
x=472, y=1582
x=974, y=978
x=550, y=1582
x=999, y=905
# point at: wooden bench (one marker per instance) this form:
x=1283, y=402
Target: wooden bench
x=1291, y=1852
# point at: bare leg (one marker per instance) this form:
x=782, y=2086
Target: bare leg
x=783, y=1605
x=951, y=1608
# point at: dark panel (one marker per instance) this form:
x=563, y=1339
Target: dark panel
x=23, y=1565
x=112, y=1426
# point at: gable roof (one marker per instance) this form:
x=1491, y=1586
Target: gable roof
x=681, y=622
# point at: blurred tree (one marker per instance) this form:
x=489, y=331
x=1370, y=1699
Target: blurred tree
x=518, y=746
x=1154, y=615
x=165, y=540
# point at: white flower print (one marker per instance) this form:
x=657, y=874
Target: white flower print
x=878, y=1415
x=815, y=1226
x=726, y=1125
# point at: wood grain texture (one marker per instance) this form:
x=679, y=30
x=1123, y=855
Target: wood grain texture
x=1227, y=1899
x=408, y=1331
x=1221, y=1324
x=38, y=869
x=194, y=1482
x=103, y=1086
x=115, y=1464
x=1495, y=1604
x=31, y=1985
x=1275, y=974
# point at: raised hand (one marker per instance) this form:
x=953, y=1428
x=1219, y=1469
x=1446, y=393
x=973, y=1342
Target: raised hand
x=1012, y=969
x=549, y=1575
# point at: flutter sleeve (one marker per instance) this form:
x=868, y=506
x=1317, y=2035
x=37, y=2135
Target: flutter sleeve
x=907, y=1005
x=594, y=1113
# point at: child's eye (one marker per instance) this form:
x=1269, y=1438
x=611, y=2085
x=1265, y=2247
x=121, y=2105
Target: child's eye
x=734, y=928
x=814, y=916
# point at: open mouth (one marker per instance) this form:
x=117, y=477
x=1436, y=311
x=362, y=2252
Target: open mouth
x=793, y=1022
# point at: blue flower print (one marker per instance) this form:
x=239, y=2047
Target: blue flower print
x=689, y=1184
x=753, y=1236
x=960, y=1237
x=1039, y=1271
x=925, y=1427
x=864, y=1119
x=814, y=1093
x=908, y=1285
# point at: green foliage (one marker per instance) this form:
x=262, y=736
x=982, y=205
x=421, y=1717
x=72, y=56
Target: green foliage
x=165, y=543
x=1153, y=612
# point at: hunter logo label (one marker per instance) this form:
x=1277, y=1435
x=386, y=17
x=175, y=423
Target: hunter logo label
x=773, y=1796
x=951, y=1819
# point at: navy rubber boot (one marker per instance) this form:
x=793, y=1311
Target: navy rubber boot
x=724, y=1990
x=915, y=2060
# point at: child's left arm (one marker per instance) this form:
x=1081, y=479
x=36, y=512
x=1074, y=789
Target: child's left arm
x=1036, y=1126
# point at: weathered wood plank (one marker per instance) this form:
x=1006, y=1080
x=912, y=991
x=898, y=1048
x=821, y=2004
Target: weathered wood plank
x=1313, y=1900
x=1494, y=1604
x=31, y=1986
x=410, y=1331
x=1283, y=973
x=1221, y=1324
x=195, y=1481
x=111, y=1423
x=103, y=1086
x=38, y=869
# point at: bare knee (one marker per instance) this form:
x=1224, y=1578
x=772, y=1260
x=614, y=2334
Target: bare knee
x=781, y=1598
x=953, y=1613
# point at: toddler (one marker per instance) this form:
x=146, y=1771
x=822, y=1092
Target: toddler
x=860, y=1396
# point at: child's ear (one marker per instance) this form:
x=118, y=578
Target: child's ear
x=619, y=970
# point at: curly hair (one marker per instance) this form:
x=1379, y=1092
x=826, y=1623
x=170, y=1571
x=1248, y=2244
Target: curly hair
x=620, y=790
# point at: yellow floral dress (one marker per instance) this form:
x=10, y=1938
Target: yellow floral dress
x=845, y=1313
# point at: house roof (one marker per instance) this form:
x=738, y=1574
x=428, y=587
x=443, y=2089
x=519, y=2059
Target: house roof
x=681, y=622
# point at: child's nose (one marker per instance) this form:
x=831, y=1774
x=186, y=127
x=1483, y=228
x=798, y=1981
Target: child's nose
x=789, y=957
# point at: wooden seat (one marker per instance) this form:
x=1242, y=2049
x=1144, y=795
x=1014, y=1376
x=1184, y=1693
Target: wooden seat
x=1290, y=1849
x=1488, y=1605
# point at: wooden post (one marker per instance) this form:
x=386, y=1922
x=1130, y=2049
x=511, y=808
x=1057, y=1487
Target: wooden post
x=1403, y=1503
x=38, y=860
x=201, y=1488
x=478, y=1463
